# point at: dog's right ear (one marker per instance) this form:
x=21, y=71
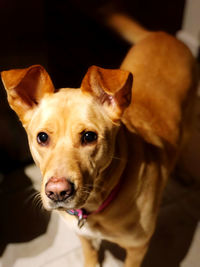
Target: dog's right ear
x=26, y=87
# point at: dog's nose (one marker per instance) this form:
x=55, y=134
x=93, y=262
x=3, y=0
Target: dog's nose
x=59, y=189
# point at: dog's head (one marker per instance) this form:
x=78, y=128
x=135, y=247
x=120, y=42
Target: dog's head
x=71, y=132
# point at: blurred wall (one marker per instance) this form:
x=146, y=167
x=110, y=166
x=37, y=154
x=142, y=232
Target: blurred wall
x=190, y=32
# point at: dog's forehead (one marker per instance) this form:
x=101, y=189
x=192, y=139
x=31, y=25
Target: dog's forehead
x=65, y=102
x=67, y=106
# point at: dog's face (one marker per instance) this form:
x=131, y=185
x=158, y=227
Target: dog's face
x=71, y=137
x=71, y=132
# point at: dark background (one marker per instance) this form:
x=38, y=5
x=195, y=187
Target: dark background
x=66, y=37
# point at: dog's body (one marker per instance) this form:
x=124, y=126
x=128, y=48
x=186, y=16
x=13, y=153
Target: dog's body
x=78, y=141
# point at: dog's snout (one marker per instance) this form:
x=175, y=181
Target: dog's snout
x=59, y=189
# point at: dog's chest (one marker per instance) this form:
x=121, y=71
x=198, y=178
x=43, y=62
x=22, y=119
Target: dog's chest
x=85, y=230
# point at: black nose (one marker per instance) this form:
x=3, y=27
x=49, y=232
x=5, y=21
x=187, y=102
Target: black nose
x=59, y=189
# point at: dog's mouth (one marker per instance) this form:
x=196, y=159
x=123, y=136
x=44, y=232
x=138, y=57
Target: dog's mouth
x=75, y=200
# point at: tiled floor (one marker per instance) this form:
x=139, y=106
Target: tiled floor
x=31, y=237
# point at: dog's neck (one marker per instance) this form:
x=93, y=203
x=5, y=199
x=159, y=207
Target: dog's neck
x=111, y=175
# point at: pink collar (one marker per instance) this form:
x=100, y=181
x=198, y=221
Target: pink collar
x=82, y=214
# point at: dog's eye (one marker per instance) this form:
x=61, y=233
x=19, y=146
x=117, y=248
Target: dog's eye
x=88, y=137
x=42, y=138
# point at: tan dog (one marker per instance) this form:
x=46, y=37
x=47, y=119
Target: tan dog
x=105, y=156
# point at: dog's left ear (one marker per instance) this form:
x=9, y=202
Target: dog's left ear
x=111, y=88
x=25, y=88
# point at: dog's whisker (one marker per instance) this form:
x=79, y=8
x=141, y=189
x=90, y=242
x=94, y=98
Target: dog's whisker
x=40, y=205
x=118, y=158
x=36, y=200
x=85, y=191
x=31, y=197
x=94, y=188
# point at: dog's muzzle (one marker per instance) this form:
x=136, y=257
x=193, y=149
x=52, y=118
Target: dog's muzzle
x=59, y=189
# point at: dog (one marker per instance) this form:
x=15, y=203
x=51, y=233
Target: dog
x=106, y=149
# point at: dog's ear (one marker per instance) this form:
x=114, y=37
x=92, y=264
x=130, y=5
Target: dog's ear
x=112, y=88
x=26, y=87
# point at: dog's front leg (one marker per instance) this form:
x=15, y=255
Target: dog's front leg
x=135, y=255
x=89, y=252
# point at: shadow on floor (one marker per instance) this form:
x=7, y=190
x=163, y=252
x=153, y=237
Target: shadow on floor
x=22, y=219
